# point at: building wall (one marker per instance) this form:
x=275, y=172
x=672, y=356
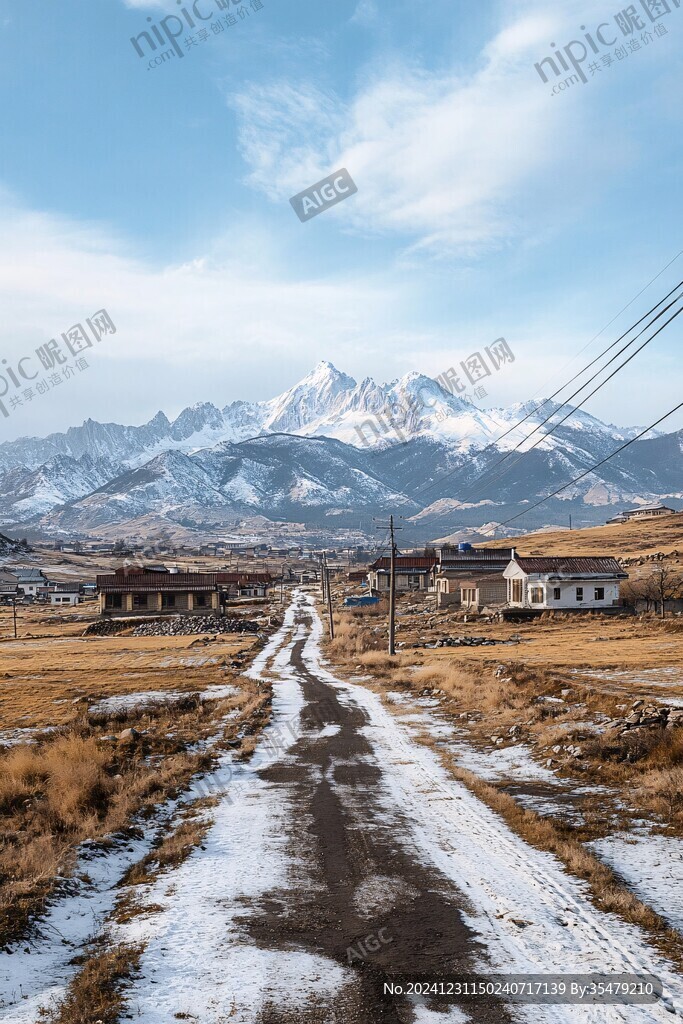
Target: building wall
x=405, y=582
x=158, y=603
x=567, y=598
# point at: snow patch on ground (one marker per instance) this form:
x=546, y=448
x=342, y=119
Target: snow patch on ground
x=127, y=701
x=39, y=969
x=514, y=762
x=652, y=865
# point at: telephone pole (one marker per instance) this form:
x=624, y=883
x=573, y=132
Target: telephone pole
x=329, y=601
x=392, y=586
x=392, y=592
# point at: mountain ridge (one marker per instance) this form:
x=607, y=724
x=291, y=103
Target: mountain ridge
x=327, y=449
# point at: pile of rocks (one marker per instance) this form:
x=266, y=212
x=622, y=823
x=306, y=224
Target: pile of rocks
x=191, y=625
x=464, y=641
x=175, y=625
x=107, y=627
x=646, y=716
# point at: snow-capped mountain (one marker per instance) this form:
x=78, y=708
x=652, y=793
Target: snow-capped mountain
x=326, y=450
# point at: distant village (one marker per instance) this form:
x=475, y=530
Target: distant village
x=461, y=577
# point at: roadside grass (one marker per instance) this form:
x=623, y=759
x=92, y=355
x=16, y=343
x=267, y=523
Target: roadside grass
x=82, y=783
x=96, y=995
x=172, y=849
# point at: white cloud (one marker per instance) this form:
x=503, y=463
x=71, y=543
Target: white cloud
x=440, y=159
x=220, y=326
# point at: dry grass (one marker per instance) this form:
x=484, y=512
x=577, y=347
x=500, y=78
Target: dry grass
x=77, y=784
x=621, y=540
x=171, y=850
x=40, y=679
x=97, y=993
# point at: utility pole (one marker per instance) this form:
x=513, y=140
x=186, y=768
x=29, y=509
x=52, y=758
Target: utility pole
x=323, y=565
x=329, y=602
x=14, y=611
x=392, y=592
x=392, y=586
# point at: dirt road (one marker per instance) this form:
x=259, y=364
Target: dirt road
x=343, y=856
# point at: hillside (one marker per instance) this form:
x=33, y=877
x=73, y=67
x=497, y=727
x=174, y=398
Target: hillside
x=622, y=540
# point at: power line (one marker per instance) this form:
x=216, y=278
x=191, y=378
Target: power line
x=609, y=363
x=608, y=325
x=574, y=409
x=593, y=468
x=473, y=492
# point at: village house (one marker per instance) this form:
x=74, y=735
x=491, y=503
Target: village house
x=8, y=586
x=412, y=574
x=457, y=566
x=29, y=581
x=60, y=594
x=143, y=591
x=652, y=511
x=563, y=584
x=244, y=584
x=131, y=590
x=479, y=592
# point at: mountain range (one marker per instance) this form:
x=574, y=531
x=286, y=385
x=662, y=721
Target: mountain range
x=330, y=453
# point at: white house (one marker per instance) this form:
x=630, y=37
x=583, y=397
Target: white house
x=60, y=593
x=563, y=584
x=29, y=580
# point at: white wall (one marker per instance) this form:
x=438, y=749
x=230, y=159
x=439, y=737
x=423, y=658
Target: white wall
x=567, y=598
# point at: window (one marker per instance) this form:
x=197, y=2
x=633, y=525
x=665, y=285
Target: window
x=557, y=593
x=599, y=593
x=536, y=594
x=517, y=592
x=201, y=600
x=139, y=600
x=168, y=600
x=579, y=593
x=113, y=601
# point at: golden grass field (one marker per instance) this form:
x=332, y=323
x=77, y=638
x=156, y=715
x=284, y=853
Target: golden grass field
x=627, y=540
x=41, y=676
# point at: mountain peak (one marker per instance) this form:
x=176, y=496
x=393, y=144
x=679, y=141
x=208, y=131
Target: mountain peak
x=325, y=372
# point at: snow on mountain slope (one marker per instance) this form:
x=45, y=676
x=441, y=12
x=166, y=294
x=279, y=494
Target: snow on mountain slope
x=388, y=443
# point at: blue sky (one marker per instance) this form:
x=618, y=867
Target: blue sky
x=487, y=206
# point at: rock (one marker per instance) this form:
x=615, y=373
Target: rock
x=128, y=736
x=636, y=704
x=676, y=717
x=514, y=730
x=633, y=719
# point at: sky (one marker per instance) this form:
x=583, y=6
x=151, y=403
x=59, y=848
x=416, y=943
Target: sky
x=490, y=203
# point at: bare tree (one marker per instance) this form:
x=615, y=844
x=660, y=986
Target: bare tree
x=662, y=585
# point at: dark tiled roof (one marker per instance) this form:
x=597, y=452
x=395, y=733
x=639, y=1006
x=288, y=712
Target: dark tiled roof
x=470, y=565
x=477, y=554
x=405, y=563
x=157, y=581
x=571, y=566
